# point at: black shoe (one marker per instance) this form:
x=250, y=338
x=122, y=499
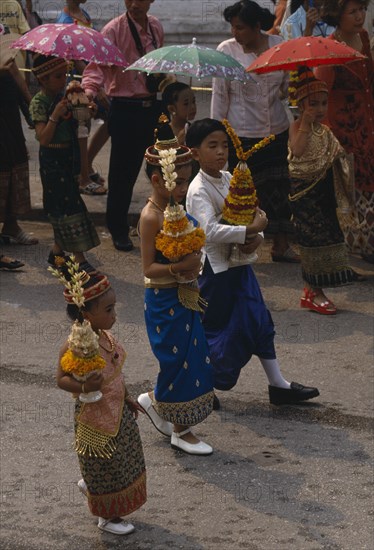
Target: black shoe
x=123, y=243
x=9, y=263
x=297, y=392
x=216, y=403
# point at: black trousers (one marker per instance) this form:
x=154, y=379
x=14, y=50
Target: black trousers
x=131, y=128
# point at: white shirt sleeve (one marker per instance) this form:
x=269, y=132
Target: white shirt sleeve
x=200, y=206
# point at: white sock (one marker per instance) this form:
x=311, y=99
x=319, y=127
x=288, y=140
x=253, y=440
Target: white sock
x=273, y=372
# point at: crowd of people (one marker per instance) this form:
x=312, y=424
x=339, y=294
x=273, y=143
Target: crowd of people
x=202, y=333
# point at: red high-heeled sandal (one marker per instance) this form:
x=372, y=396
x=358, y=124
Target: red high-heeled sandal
x=325, y=308
x=305, y=298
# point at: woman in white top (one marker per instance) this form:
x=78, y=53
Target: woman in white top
x=255, y=110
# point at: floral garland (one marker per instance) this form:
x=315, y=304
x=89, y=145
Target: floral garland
x=241, y=201
x=178, y=236
x=167, y=164
x=244, y=156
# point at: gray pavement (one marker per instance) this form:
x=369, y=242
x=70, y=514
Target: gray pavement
x=280, y=478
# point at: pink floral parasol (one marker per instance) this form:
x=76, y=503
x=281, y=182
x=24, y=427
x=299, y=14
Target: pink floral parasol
x=73, y=42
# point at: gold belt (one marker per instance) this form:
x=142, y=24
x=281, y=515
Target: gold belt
x=58, y=145
x=161, y=285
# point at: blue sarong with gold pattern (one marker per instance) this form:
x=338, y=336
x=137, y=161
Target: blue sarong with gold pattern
x=184, y=389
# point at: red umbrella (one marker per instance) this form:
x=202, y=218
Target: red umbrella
x=71, y=41
x=312, y=51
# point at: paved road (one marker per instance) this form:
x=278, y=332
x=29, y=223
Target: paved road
x=280, y=478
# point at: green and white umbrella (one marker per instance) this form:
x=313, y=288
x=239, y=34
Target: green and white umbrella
x=192, y=61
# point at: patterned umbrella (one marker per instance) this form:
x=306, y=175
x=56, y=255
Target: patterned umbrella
x=311, y=51
x=190, y=60
x=71, y=41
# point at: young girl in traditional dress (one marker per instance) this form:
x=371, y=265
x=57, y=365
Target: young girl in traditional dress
x=59, y=160
x=107, y=438
x=180, y=102
x=315, y=156
x=183, y=395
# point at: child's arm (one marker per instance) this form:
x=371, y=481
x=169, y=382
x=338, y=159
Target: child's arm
x=200, y=206
x=300, y=132
x=68, y=383
x=259, y=223
x=46, y=130
x=149, y=227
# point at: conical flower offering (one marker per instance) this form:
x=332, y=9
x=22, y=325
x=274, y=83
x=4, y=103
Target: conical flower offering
x=178, y=236
x=241, y=201
x=83, y=355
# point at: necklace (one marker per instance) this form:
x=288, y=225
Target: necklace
x=109, y=338
x=155, y=204
x=316, y=132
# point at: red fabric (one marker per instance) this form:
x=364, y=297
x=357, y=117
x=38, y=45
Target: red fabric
x=351, y=111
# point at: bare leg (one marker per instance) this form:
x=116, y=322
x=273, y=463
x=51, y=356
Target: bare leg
x=319, y=297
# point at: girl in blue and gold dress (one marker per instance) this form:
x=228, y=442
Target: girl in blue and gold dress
x=183, y=395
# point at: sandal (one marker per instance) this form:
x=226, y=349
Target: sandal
x=97, y=178
x=93, y=189
x=20, y=238
x=9, y=263
x=290, y=256
x=358, y=277
x=325, y=308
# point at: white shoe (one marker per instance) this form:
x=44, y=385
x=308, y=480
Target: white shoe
x=83, y=487
x=121, y=528
x=180, y=444
x=164, y=427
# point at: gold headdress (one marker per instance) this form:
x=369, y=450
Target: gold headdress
x=165, y=140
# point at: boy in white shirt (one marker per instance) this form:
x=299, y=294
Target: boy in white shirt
x=237, y=322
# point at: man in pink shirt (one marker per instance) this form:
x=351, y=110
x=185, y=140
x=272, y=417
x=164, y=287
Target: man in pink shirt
x=133, y=113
